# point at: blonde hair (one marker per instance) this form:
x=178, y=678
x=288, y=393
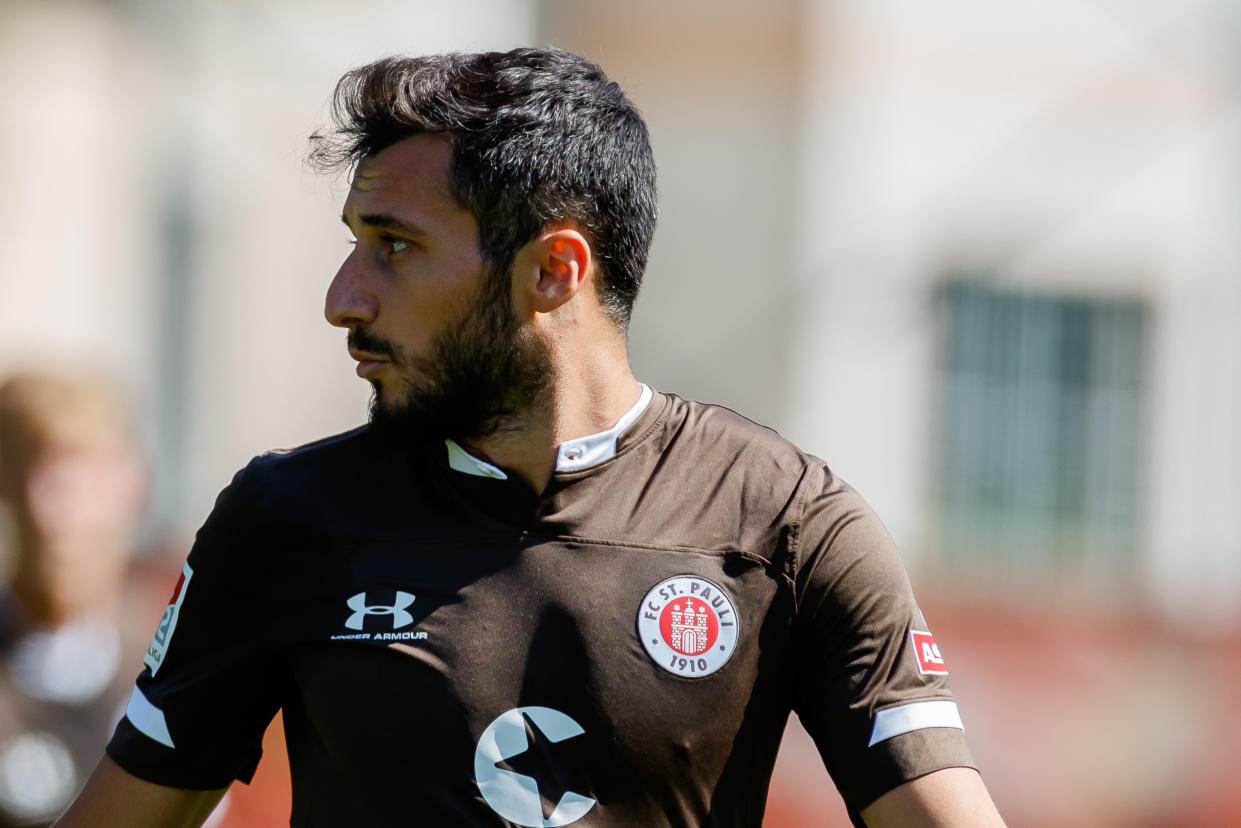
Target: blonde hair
x=56, y=410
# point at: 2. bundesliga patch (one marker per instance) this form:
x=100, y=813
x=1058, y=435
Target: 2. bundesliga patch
x=168, y=623
x=688, y=626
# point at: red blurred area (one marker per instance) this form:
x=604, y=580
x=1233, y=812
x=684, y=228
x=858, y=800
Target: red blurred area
x=1077, y=721
x=267, y=799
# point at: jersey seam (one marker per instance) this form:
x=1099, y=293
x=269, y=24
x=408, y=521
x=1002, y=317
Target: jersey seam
x=744, y=553
x=795, y=524
x=543, y=538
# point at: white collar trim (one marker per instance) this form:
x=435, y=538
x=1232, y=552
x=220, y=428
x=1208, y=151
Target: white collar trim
x=463, y=461
x=572, y=455
x=582, y=452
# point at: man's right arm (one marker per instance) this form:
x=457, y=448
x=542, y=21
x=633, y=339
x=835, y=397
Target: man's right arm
x=209, y=687
x=114, y=798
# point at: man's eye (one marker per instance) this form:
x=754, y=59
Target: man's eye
x=396, y=245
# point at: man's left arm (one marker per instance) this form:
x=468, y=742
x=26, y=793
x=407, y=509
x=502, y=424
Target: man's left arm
x=871, y=686
x=948, y=798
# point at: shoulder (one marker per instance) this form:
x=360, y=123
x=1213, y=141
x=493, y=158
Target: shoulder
x=338, y=452
x=699, y=426
x=752, y=482
x=308, y=486
x=719, y=442
x=277, y=471
x=768, y=481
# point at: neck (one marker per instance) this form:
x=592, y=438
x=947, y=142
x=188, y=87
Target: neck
x=593, y=388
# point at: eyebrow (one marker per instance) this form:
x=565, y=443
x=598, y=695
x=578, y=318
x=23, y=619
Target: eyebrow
x=384, y=221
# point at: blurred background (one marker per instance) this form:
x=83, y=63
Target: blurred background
x=983, y=258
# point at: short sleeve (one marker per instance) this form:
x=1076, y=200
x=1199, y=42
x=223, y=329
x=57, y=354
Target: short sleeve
x=872, y=686
x=210, y=683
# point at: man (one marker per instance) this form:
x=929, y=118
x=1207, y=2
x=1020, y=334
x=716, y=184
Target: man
x=71, y=486
x=531, y=591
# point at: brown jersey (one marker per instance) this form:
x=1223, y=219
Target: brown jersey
x=621, y=649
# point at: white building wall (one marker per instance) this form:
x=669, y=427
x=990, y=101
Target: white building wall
x=1073, y=148
x=76, y=273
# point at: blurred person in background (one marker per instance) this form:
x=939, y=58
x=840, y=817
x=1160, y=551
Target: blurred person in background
x=532, y=591
x=72, y=487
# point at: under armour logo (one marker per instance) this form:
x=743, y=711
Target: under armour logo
x=400, y=618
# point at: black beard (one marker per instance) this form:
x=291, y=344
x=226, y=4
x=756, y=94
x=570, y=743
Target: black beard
x=481, y=376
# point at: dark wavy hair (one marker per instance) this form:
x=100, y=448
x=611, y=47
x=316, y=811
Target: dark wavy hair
x=538, y=136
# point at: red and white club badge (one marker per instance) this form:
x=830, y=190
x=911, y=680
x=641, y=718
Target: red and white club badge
x=688, y=625
x=930, y=662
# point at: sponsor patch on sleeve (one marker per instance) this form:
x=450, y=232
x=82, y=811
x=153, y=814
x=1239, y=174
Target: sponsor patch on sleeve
x=930, y=662
x=168, y=624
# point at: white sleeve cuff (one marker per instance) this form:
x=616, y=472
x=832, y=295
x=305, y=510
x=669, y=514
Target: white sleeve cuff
x=894, y=721
x=147, y=718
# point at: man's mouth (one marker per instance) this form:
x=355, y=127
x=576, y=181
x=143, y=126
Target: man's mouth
x=369, y=351
x=368, y=356
x=368, y=362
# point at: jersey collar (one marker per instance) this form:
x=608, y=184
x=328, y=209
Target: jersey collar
x=572, y=455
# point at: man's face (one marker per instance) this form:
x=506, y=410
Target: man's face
x=431, y=326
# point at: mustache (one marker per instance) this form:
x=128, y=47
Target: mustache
x=360, y=339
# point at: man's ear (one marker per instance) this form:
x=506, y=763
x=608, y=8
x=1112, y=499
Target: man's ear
x=564, y=258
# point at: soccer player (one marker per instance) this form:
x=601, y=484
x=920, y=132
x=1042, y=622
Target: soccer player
x=531, y=590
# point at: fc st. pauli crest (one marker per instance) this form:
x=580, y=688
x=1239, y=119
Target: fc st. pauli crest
x=688, y=625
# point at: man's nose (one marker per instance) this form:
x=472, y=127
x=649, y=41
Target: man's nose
x=350, y=303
